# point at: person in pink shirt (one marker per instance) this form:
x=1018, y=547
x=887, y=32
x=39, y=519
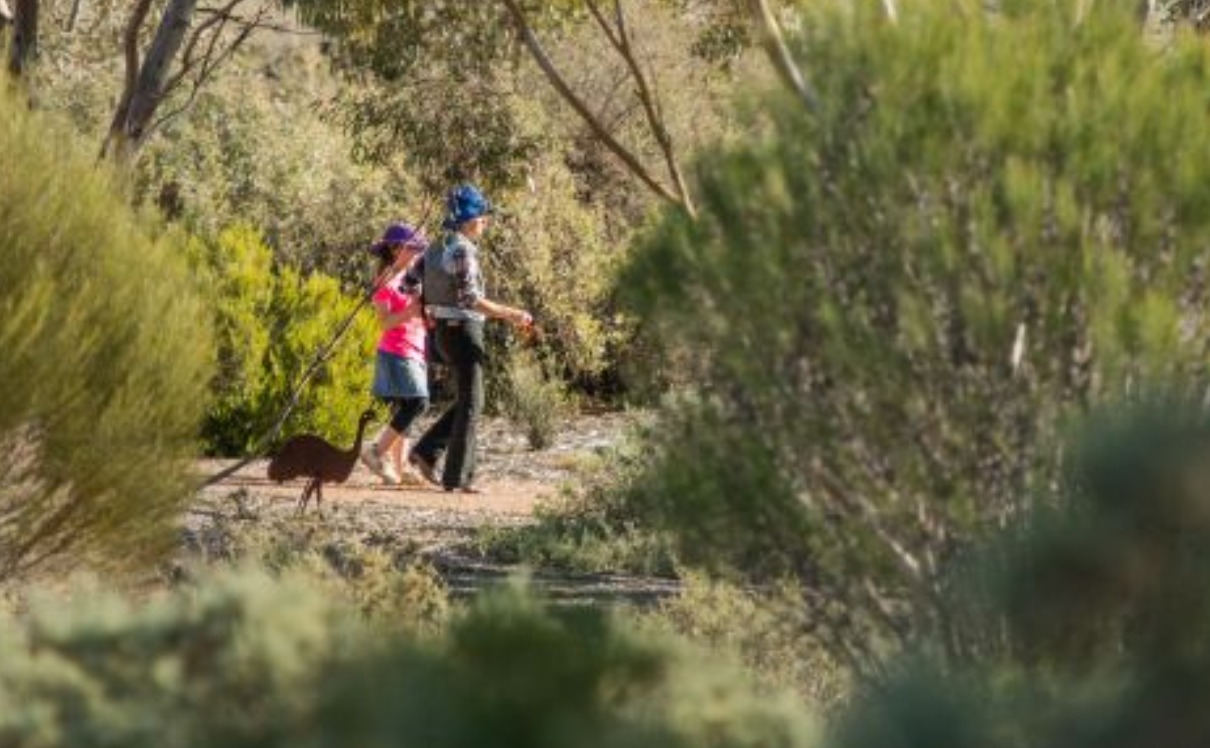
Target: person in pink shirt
x=400, y=373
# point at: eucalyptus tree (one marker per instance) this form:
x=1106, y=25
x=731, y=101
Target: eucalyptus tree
x=190, y=43
x=419, y=47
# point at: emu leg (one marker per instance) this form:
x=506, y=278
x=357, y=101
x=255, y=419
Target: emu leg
x=319, y=496
x=306, y=495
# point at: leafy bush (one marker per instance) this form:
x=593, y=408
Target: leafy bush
x=537, y=403
x=226, y=159
x=384, y=581
x=1091, y=618
x=892, y=306
x=272, y=322
x=589, y=527
x=245, y=660
x=106, y=356
x=766, y=630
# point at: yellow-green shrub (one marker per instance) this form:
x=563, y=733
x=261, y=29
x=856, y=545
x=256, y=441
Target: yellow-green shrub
x=272, y=322
x=106, y=350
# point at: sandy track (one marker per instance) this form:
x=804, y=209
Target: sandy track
x=501, y=495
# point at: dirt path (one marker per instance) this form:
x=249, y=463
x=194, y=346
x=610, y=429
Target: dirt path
x=501, y=495
x=432, y=524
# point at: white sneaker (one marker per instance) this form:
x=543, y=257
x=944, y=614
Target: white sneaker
x=369, y=456
x=390, y=476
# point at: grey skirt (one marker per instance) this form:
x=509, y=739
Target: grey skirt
x=397, y=377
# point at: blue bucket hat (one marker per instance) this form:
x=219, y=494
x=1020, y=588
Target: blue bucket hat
x=400, y=233
x=464, y=203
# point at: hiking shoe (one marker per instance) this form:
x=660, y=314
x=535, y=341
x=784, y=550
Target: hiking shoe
x=372, y=460
x=427, y=470
x=409, y=478
x=390, y=476
x=463, y=489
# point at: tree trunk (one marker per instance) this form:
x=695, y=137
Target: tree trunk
x=24, y=47
x=143, y=97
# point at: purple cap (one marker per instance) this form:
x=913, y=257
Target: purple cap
x=401, y=233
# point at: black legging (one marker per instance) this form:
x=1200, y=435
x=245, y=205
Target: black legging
x=405, y=411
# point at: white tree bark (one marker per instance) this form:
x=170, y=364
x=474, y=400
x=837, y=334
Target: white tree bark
x=149, y=88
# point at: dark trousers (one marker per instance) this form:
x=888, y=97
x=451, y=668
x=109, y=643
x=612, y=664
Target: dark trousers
x=460, y=344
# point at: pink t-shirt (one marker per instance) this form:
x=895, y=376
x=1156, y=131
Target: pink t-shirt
x=406, y=339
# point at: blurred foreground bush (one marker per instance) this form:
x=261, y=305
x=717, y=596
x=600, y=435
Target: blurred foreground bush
x=1092, y=619
x=244, y=660
x=106, y=354
x=892, y=307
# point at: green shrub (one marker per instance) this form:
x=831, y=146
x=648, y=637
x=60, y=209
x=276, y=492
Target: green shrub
x=385, y=582
x=767, y=630
x=245, y=660
x=534, y=401
x=236, y=657
x=1091, y=618
x=107, y=351
x=272, y=322
x=892, y=306
x=589, y=527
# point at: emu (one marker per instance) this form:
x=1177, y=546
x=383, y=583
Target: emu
x=308, y=456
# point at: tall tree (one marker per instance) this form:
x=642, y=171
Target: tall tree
x=618, y=33
x=396, y=37
x=182, y=57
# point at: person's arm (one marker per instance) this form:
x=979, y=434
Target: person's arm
x=465, y=271
x=518, y=317
x=387, y=320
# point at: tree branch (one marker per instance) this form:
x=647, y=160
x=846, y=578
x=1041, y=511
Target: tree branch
x=621, y=42
x=209, y=63
x=779, y=53
x=259, y=24
x=23, y=43
x=552, y=75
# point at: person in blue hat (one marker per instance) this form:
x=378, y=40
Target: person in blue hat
x=400, y=372
x=455, y=302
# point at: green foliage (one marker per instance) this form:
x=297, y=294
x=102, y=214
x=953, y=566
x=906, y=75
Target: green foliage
x=768, y=631
x=892, y=308
x=245, y=660
x=589, y=527
x=219, y=662
x=272, y=322
x=252, y=148
x=255, y=149
x=387, y=586
x=552, y=254
x=1092, y=616
x=536, y=402
x=106, y=356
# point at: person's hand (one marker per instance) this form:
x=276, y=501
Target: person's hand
x=522, y=318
